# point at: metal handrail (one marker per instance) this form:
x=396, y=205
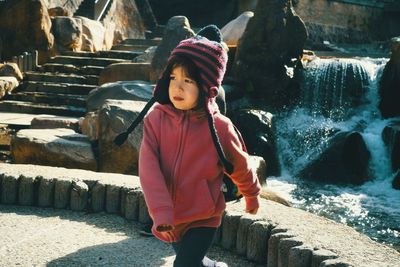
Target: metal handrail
x=100, y=6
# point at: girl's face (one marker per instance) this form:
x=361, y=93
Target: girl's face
x=183, y=90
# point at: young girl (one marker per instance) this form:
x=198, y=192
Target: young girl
x=187, y=145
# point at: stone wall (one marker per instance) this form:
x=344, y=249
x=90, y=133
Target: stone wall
x=276, y=236
x=337, y=21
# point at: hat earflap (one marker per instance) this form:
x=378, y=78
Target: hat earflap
x=227, y=165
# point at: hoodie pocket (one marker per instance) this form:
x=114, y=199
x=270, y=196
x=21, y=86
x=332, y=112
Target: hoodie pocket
x=193, y=202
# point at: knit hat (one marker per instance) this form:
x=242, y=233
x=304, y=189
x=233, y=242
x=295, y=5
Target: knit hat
x=207, y=53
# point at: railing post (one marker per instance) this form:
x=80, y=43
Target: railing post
x=21, y=63
x=25, y=61
x=34, y=59
x=29, y=61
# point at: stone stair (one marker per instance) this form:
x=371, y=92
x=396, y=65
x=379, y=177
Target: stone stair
x=60, y=86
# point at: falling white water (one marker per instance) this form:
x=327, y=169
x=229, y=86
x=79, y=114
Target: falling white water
x=303, y=134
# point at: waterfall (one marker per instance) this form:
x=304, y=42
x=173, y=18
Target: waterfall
x=333, y=86
x=339, y=95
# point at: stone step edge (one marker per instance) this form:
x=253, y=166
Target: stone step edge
x=79, y=190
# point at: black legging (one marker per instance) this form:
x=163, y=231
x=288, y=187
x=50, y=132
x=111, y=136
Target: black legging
x=193, y=246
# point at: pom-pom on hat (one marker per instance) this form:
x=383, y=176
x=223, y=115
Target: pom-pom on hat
x=207, y=53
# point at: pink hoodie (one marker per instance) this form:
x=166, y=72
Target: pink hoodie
x=180, y=171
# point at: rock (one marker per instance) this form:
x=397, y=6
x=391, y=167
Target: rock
x=300, y=256
x=147, y=55
x=55, y=122
x=242, y=234
x=62, y=193
x=113, y=194
x=27, y=190
x=45, y=192
x=230, y=226
x=247, y=5
x=273, y=37
x=345, y=160
x=256, y=127
x=94, y=32
x=126, y=71
x=143, y=216
x=391, y=138
x=267, y=193
x=59, y=11
x=176, y=30
x=122, y=90
x=7, y=85
x=11, y=69
x=320, y=255
x=259, y=166
x=335, y=263
x=233, y=31
x=284, y=247
x=98, y=197
x=79, y=196
x=257, y=241
x=26, y=26
x=89, y=126
x=130, y=203
x=67, y=33
x=114, y=117
x=273, y=247
x=123, y=19
x=53, y=147
x=87, y=44
x=396, y=180
x=9, y=189
x=390, y=83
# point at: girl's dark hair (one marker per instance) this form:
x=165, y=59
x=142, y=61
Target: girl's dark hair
x=191, y=71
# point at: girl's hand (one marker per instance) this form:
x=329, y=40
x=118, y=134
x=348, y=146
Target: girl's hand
x=253, y=211
x=164, y=228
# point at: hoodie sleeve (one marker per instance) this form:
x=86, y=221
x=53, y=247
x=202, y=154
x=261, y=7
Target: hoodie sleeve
x=152, y=180
x=243, y=176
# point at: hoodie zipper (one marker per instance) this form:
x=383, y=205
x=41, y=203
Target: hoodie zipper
x=182, y=138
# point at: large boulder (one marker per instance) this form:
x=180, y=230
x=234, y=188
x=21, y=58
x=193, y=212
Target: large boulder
x=176, y=30
x=123, y=20
x=53, y=147
x=389, y=86
x=26, y=25
x=54, y=122
x=247, y=5
x=125, y=71
x=391, y=138
x=147, y=55
x=123, y=90
x=59, y=11
x=95, y=32
x=89, y=125
x=7, y=85
x=233, y=31
x=269, y=50
x=256, y=127
x=11, y=69
x=345, y=161
x=114, y=117
x=68, y=33
x=396, y=180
